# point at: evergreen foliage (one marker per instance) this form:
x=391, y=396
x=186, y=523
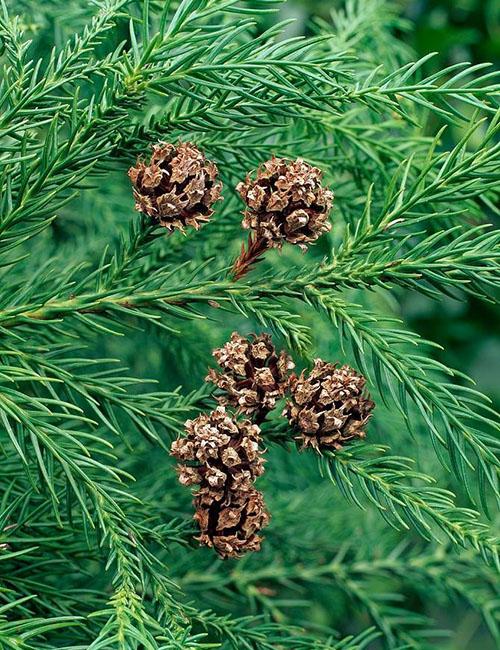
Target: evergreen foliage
x=107, y=324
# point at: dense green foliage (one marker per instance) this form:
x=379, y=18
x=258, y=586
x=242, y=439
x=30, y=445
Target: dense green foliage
x=107, y=326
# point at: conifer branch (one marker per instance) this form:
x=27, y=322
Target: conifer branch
x=380, y=479
x=88, y=493
x=449, y=410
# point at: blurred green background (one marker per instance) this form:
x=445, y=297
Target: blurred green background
x=457, y=29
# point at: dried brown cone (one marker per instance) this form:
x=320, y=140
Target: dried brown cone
x=178, y=186
x=253, y=376
x=222, y=456
x=219, y=453
x=286, y=202
x=329, y=406
x=230, y=522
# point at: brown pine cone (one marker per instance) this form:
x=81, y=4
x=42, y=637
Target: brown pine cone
x=286, y=202
x=222, y=453
x=230, y=523
x=329, y=406
x=178, y=187
x=253, y=375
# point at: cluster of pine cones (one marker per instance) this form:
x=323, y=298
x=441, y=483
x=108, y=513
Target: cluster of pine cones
x=222, y=451
x=285, y=202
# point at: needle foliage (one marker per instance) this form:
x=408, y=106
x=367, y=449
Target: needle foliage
x=107, y=326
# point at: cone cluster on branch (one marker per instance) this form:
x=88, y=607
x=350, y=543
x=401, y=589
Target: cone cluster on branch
x=221, y=454
x=286, y=202
x=253, y=376
x=178, y=186
x=328, y=406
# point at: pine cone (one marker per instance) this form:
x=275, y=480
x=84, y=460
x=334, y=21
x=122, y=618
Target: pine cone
x=253, y=375
x=328, y=406
x=222, y=452
x=178, y=187
x=230, y=523
x=286, y=202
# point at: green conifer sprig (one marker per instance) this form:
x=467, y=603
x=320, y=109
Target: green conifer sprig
x=102, y=317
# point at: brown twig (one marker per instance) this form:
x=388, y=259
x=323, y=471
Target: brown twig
x=249, y=256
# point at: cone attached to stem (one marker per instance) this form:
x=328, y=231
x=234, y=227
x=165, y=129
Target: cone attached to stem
x=230, y=522
x=178, y=186
x=285, y=203
x=329, y=406
x=222, y=456
x=253, y=376
x=220, y=452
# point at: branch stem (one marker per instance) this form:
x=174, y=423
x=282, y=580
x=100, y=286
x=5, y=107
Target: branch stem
x=249, y=256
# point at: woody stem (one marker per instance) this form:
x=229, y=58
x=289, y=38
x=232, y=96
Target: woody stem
x=249, y=256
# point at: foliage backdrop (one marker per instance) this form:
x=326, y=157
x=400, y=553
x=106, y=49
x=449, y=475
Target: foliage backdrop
x=103, y=318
